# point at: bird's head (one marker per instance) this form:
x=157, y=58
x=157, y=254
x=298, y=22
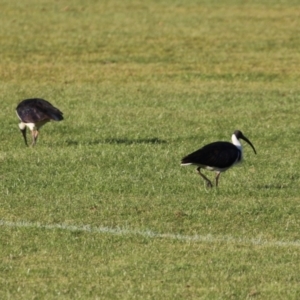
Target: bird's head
x=239, y=135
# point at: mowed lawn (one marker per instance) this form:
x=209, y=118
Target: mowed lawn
x=101, y=208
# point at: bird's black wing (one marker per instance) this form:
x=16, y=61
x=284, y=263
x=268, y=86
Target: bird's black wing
x=37, y=110
x=218, y=154
x=49, y=110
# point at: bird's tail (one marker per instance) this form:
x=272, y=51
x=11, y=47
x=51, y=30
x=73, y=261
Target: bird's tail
x=186, y=161
x=55, y=114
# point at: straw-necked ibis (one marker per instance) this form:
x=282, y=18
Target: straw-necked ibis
x=34, y=113
x=217, y=156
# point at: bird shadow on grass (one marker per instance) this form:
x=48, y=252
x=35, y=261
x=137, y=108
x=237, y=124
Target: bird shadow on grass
x=118, y=141
x=273, y=186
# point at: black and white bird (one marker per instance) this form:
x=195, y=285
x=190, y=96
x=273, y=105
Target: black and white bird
x=34, y=113
x=217, y=156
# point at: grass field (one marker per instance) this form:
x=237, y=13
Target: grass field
x=100, y=208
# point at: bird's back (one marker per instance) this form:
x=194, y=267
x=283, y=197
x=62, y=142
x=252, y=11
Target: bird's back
x=218, y=154
x=38, y=110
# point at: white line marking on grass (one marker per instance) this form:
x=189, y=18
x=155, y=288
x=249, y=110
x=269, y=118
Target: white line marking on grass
x=151, y=234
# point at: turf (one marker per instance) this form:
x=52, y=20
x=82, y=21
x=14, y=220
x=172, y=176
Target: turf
x=100, y=208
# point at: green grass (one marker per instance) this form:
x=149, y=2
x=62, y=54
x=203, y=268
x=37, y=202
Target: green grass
x=141, y=84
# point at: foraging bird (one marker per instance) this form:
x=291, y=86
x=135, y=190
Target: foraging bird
x=34, y=113
x=217, y=156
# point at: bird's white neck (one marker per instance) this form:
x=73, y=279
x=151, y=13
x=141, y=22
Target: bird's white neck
x=236, y=142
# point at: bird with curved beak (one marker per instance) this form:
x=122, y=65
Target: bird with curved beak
x=34, y=113
x=217, y=156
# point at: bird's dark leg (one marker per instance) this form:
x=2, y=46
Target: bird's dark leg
x=208, y=182
x=24, y=135
x=217, y=178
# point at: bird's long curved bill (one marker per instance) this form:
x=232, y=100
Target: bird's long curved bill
x=246, y=140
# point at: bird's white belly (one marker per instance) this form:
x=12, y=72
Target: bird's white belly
x=210, y=168
x=215, y=169
x=31, y=126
